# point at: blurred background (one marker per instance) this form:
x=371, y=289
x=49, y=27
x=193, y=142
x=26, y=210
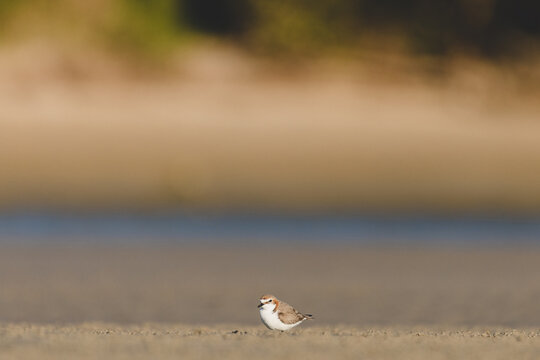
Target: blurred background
x=377, y=157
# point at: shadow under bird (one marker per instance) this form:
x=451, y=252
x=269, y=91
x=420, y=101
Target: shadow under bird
x=278, y=315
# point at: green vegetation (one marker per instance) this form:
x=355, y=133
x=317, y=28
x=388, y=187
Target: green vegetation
x=142, y=26
x=6, y=10
x=146, y=28
x=439, y=27
x=302, y=27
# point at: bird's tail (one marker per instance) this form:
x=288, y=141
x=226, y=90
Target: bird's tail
x=308, y=316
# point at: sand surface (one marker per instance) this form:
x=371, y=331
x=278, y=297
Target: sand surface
x=110, y=341
x=221, y=284
x=195, y=302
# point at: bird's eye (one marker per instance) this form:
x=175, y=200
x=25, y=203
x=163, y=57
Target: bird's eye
x=270, y=300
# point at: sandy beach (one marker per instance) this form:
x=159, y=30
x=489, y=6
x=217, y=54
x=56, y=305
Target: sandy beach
x=111, y=341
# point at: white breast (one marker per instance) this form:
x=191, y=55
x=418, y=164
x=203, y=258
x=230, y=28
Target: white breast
x=271, y=320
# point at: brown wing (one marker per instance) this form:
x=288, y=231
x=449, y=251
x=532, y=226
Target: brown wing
x=288, y=315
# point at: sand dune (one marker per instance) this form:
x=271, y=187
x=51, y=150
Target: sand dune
x=226, y=131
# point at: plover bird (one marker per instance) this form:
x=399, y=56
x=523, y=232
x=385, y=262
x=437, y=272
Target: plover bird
x=278, y=315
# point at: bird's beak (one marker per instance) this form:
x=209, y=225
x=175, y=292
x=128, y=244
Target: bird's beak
x=261, y=304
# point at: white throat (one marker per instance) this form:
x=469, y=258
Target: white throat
x=269, y=306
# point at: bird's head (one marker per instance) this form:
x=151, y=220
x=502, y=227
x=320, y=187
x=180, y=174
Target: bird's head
x=268, y=302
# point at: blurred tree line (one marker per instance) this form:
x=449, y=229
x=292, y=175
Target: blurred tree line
x=487, y=27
